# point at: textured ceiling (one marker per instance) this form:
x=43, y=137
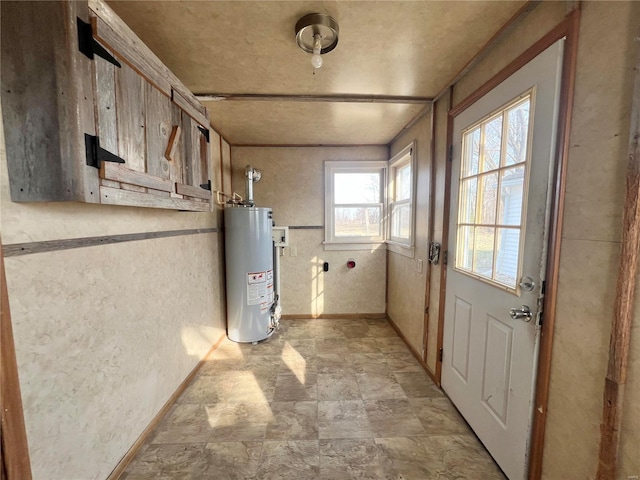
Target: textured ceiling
x=398, y=48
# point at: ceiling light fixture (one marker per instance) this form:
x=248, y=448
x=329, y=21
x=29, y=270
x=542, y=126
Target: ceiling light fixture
x=317, y=33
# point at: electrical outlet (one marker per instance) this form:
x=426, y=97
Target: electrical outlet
x=419, y=265
x=293, y=251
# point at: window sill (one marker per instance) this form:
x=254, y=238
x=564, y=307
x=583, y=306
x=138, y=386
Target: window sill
x=400, y=249
x=353, y=246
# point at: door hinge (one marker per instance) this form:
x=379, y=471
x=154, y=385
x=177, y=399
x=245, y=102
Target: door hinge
x=426, y=310
x=90, y=46
x=205, y=132
x=445, y=257
x=451, y=153
x=440, y=353
x=96, y=154
x=206, y=186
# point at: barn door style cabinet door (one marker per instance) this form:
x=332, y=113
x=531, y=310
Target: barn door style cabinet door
x=92, y=115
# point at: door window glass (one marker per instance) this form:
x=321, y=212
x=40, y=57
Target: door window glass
x=494, y=167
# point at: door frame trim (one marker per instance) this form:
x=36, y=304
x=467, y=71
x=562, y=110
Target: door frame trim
x=567, y=29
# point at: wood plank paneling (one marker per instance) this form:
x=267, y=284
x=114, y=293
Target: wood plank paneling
x=105, y=104
x=118, y=173
x=197, y=112
x=35, y=70
x=19, y=249
x=193, y=191
x=159, y=129
x=176, y=165
x=127, y=47
x=130, y=108
x=215, y=165
x=226, y=166
x=113, y=196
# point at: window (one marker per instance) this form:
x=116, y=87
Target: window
x=354, y=203
x=493, y=184
x=401, y=201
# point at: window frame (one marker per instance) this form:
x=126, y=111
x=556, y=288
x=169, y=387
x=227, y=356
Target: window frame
x=526, y=164
x=406, y=156
x=331, y=242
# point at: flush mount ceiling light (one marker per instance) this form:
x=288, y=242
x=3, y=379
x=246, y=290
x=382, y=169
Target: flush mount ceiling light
x=317, y=33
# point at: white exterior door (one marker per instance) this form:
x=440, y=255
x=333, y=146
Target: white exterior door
x=503, y=150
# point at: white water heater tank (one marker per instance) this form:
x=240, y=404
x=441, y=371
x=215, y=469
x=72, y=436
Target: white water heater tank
x=250, y=275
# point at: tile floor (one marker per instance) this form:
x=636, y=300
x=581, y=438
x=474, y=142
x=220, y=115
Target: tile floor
x=320, y=399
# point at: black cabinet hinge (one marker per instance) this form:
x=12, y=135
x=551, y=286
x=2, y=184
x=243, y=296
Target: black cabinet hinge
x=206, y=186
x=445, y=257
x=90, y=46
x=205, y=132
x=440, y=353
x=451, y=153
x=97, y=154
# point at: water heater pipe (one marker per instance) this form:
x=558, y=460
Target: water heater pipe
x=253, y=175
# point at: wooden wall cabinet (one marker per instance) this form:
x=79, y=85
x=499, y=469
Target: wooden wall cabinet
x=118, y=128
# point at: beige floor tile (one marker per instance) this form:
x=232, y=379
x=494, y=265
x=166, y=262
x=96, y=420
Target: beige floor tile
x=356, y=331
x=326, y=398
x=238, y=421
x=292, y=460
x=412, y=458
x=333, y=363
x=391, y=344
x=291, y=388
x=343, y=419
x=417, y=384
x=438, y=416
x=231, y=460
x=390, y=417
x=337, y=346
x=375, y=386
x=340, y=386
x=293, y=421
x=354, y=458
x=402, y=362
x=369, y=363
x=363, y=345
x=168, y=462
x=463, y=456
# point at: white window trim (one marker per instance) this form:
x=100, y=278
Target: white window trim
x=352, y=243
x=405, y=248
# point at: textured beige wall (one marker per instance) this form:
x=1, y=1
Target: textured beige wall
x=590, y=247
x=293, y=185
x=591, y=231
x=405, y=284
x=104, y=335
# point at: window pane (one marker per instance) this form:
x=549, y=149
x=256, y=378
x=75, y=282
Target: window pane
x=403, y=182
x=489, y=194
x=483, y=264
x=464, y=255
x=471, y=153
x=511, y=188
x=357, y=188
x=517, y=133
x=358, y=221
x=401, y=221
x=468, y=197
x=492, y=143
x=507, y=256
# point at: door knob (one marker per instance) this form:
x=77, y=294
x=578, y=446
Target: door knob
x=522, y=313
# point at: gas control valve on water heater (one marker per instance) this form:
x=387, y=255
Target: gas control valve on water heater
x=253, y=309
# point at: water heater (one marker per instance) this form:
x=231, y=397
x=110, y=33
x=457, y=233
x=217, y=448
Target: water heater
x=249, y=253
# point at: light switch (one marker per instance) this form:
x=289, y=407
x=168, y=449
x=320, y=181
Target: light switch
x=293, y=251
x=419, y=265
